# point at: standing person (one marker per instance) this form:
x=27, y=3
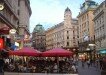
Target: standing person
x=55, y=68
x=1, y=65
x=88, y=63
x=83, y=62
x=101, y=63
x=74, y=68
x=97, y=63
x=91, y=62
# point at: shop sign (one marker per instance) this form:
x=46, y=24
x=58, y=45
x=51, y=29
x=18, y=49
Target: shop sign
x=1, y=43
x=12, y=31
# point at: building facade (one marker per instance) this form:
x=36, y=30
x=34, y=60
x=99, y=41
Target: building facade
x=100, y=27
x=15, y=15
x=86, y=24
x=38, y=38
x=64, y=34
x=24, y=13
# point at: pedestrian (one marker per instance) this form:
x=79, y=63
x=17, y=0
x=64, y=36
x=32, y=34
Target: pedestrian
x=1, y=65
x=101, y=63
x=74, y=68
x=55, y=68
x=88, y=63
x=91, y=61
x=83, y=63
x=97, y=63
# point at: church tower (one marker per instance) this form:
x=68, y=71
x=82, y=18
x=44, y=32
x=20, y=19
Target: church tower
x=68, y=28
x=67, y=18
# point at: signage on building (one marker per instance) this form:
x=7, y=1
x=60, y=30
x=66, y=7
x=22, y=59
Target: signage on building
x=1, y=43
x=86, y=38
x=12, y=31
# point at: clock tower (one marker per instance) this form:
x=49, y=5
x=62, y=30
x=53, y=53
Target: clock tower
x=67, y=18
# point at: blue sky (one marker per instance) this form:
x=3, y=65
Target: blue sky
x=51, y=12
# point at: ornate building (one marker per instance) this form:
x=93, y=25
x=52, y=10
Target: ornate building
x=64, y=34
x=86, y=24
x=100, y=27
x=15, y=15
x=38, y=38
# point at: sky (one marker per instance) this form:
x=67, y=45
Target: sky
x=51, y=12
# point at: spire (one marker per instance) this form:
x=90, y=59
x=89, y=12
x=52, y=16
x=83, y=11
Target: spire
x=87, y=0
x=67, y=9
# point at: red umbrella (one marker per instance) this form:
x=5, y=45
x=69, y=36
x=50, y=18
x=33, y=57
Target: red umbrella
x=57, y=52
x=27, y=51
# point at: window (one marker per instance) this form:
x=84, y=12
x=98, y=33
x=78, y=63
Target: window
x=67, y=43
x=102, y=19
x=73, y=37
x=87, y=16
x=73, y=32
x=18, y=12
x=18, y=2
x=67, y=37
x=17, y=22
x=67, y=32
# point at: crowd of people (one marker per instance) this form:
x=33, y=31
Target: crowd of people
x=98, y=63
x=48, y=65
x=64, y=65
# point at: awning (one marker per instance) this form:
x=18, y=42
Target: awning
x=57, y=52
x=101, y=51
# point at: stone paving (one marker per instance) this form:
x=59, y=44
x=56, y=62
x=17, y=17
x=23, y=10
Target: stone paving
x=88, y=71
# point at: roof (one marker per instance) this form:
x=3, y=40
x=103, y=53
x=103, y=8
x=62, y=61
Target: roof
x=67, y=9
x=88, y=4
x=39, y=29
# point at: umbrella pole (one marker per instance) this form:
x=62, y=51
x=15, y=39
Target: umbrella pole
x=58, y=64
x=23, y=60
x=27, y=61
x=13, y=59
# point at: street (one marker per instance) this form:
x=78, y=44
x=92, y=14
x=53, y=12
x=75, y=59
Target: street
x=88, y=71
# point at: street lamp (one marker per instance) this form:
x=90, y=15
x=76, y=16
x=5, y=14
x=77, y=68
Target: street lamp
x=92, y=45
x=1, y=6
x=88, y=49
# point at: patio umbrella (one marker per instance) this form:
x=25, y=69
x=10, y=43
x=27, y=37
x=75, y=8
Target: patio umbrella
x=57, y=52
x=26, y=51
